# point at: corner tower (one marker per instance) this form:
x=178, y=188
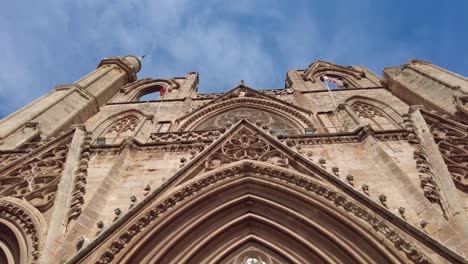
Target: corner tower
x=68, y=104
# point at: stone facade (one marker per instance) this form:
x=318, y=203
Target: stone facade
x=375, y=171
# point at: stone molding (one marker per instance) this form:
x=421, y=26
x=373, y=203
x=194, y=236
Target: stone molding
x=27, y=219
x=78, y=192
x=413, y=254
x=123, y=64
x=244, y=101
x=244, y=95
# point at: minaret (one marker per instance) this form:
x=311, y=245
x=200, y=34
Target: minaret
x=68, y=104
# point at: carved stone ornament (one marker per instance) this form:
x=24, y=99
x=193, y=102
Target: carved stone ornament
x=426, y=176
x=9, y=157
x=452, y=140
x=190, y=136
x=28, y=221
x=251, y=98
x=245, y=144
x=414, y=255
x=36, y=179
x=81, y=174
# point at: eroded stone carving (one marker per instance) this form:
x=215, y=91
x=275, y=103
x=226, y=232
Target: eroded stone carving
x=413, y=254
x=81, y=173
x=128, y=123
x=9, y=157
x=426, y=176
x=30, y=227
x=249, y=99
x=191, y=136
x=36, y=180
x=452, y=140
x=246, y=145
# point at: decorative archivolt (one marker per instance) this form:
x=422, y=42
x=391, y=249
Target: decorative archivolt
x=22, y=228
x=283, y=111
x=378, y=115
x=295, y=216
x=133, y=91
x=252, y=252
x=276, y=124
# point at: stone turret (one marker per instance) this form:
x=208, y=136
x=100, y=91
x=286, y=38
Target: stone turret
x=68, y=104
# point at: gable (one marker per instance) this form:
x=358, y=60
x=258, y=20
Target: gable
x=252, y=166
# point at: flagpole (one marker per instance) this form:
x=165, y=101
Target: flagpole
x=160, y=103
x=331, y=94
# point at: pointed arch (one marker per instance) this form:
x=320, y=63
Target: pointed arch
x=22, y=228
x=276, y=123
x=119, y=126
x=283, y=114
x=349, y=75
x=345, y=77
x=134, y=91
x=377, y=114
x=296, y=217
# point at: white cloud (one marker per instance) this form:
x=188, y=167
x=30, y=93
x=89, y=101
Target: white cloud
x=53, y=42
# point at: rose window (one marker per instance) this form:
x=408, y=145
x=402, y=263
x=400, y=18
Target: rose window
x=245, y=147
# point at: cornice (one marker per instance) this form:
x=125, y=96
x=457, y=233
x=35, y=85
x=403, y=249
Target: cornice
x=122, y=64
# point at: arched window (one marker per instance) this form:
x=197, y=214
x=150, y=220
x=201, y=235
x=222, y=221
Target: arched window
x=274, y=123
x=120, y=129
x=334, y=82
x=149, y=97
x=151, y=93
x=253, y=260
x=374, y=116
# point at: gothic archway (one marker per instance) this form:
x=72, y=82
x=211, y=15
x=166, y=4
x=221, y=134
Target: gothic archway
x=22, y=228
x=276, y=123
x=285, y=217
x=296, y=119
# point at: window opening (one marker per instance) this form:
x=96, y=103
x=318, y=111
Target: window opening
x=333, y=82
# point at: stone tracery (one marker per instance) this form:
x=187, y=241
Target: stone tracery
x=452, y=140
x=272, y=122
x=121, y=129
x=246, y=145
x=36, y=180
x=376, y=118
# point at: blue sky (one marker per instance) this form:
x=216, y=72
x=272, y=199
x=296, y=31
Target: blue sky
x=50, y=42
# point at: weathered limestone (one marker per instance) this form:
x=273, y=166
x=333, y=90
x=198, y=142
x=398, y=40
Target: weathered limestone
x=423, y=83
x=68, y=104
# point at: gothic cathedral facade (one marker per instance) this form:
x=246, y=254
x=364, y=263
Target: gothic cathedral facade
x=339, y=166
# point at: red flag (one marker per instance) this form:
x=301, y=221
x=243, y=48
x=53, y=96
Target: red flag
x=162, y=91
x=337, y=82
